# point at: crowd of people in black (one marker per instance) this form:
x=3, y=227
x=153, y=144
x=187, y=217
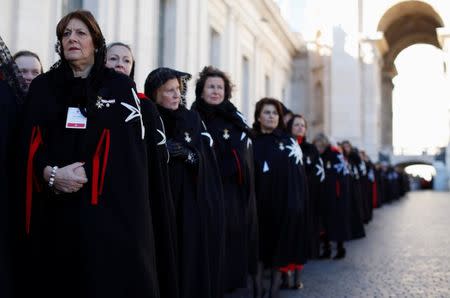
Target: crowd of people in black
x=107, y=192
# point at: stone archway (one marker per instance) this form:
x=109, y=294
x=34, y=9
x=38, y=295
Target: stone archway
x=402, y=25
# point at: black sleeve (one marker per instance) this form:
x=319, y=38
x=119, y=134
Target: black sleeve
x=8, y=113
x=35, y=128
x=161, y=202
x=253, y=228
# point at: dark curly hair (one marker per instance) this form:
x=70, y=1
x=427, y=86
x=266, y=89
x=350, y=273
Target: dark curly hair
x=259, y=107
x=208, y=72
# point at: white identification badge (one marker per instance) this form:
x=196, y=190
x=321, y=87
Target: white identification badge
x=75, y=119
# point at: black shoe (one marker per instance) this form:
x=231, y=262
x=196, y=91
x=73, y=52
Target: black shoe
x=284, y=281
x=340, y=254
x=297, y=281
x=257, y=281
x=259, y=292
x=275, y=282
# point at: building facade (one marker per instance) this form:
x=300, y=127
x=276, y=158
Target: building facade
x=337, y=71
x=248, y=39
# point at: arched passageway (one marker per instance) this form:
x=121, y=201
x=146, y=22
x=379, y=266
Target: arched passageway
x=404, y=24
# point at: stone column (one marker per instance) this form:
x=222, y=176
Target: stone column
x=345, y=88
x=444, y=40
x=299, y=84
x=371, y=64
x=386, y=111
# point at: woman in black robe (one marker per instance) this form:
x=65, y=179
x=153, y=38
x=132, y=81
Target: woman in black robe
x=357, y=202
x=93, y=175
x=8, y=134
x=280, y=192
x=13, y=89
x=315, y=174
x=195, y=184
x=367, y=167
x=120, y=58
x=388, y=185
x=234, y=152
x=337, y=198
x=381, y=195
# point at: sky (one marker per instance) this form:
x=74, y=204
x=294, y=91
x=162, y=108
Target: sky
x=308, y=16
x=420, y=104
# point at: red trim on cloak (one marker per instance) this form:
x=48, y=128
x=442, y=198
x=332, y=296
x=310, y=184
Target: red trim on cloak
x=35, y=142
x=142, y=96
x=291, y=267
x=300, y=139
x=335, y=149
x=238, y=164
x=96, y=188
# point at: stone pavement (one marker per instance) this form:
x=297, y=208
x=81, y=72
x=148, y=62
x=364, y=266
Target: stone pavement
x=406, y=253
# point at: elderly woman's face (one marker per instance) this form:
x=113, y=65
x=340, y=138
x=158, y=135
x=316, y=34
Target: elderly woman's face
x=168, y=95
x=214, y=90
x=120, y=59
x=78, y=46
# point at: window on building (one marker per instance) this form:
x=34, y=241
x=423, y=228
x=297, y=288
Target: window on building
x=214, y=50
x=318, y=106
x=71, y=5
x=267, y=85
x=245, y=84
x=166, y=32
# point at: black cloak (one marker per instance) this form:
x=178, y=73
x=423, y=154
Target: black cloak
x=197, y=194
x=390, y=185
x=12, y=94
x=381, y=196
x=368, y=180
x=234, y=152
x=163, y=213
x=357, y=200
x=336, y=207
x=99, y=241
x=8, y=134
x=315, y=174
x=281, y=191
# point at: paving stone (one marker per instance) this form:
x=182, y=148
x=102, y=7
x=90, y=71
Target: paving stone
x=406, y=253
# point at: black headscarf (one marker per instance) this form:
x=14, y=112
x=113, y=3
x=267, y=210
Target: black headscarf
x=10, y=73
x=160, y=76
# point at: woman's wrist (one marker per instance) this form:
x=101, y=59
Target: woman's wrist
x=47, y=173
x=51, y=180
